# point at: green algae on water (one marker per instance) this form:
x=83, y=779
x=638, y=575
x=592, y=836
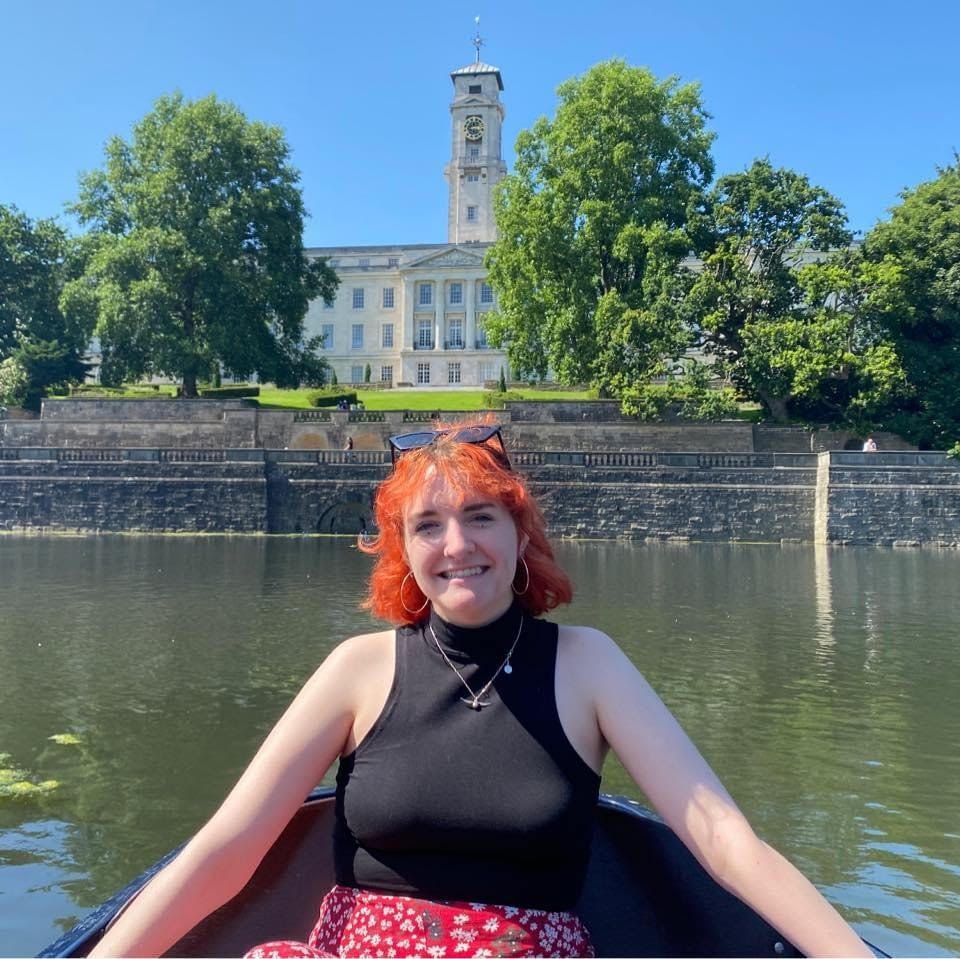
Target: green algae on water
x=65, y=739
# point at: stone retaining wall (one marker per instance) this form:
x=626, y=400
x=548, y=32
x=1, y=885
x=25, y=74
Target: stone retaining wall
x=132, y=496
x=235, y=424
x=882, y=499
x=894, y=503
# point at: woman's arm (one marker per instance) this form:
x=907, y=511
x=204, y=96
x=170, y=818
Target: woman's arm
x=666, y=765
x=217, y=863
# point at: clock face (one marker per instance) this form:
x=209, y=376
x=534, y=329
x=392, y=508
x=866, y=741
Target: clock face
x=473, y=128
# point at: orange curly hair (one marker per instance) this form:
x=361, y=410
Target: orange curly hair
x=466, y=468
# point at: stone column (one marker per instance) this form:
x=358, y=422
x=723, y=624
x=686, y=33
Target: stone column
x=407, y=331
x=470, y=319
x=439, y=304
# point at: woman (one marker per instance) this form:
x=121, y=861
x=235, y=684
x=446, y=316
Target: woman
x=470, y=741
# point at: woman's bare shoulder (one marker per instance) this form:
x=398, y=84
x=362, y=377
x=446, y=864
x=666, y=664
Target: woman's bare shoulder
x=592, y=653
x=586, y=640
x=361, y=651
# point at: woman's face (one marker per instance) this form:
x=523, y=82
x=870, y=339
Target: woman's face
x=463, y=556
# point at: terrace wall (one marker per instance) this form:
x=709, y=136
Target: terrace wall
x=843, y=498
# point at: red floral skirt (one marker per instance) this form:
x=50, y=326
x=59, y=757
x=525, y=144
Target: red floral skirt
x=355, y=923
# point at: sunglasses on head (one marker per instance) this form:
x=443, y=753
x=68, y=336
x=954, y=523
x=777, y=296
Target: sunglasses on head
x=404, y=442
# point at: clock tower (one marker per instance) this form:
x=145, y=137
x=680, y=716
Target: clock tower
x=476, y=159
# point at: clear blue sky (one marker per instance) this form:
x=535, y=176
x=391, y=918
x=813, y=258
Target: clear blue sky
x=862, y=97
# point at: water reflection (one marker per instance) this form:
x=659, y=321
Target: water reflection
x=816, y=681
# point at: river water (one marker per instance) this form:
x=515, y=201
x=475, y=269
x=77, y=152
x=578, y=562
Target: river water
x=820, y=684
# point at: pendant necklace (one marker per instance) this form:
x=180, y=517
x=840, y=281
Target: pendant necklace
x=476, y=700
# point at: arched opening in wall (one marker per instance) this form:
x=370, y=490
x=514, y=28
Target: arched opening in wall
x=853, y=444
x=347, y=516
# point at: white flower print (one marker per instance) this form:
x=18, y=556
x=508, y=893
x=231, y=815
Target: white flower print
x=491, y=925
x=438, y=952
x=461, y=918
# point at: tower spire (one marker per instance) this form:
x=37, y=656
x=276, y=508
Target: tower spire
x=478, y=41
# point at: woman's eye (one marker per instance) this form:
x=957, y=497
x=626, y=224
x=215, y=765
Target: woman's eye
x=483, y=517
x=425, y=527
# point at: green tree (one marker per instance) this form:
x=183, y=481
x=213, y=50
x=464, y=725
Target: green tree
x=591, y=229
x=14, y=382
x=367, y=373
x=843, y=367
x=195, y=252
x=915, y=258
x=754, y=233
x=46, y=344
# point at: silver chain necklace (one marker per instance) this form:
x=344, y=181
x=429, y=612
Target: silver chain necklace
x=476, y=700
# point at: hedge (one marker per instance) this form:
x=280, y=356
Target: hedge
x=227, y=392
x=331, y=396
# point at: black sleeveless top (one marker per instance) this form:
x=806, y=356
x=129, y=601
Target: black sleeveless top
x=441, y=801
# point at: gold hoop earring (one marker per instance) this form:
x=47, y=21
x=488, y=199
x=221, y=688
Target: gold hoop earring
x=412, y=612
x=526, y=569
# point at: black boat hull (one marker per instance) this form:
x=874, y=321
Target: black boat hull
x=645, y=895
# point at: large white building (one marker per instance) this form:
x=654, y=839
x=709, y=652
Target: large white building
x=416, y=312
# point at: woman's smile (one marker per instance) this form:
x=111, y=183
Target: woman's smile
x=463, y=573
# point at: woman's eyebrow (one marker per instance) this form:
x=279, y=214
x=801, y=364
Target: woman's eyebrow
x=414, y=517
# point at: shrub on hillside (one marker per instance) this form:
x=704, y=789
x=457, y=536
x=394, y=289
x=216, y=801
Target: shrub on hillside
x=494, y=399
x=228, y=392
x=331, y=396
x=679, y=400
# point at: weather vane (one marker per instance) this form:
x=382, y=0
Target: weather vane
x=478, y=41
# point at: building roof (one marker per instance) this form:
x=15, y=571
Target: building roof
x=477, y=68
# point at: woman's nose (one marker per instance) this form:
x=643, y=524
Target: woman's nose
x=457, y=540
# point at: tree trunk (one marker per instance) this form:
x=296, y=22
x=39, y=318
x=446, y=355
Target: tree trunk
x=777, y=406
x=189, y=388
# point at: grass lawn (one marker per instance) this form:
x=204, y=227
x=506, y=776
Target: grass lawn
x=454, y=400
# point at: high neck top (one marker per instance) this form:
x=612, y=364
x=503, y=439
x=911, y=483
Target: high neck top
x=443, y=801
x=475, y=644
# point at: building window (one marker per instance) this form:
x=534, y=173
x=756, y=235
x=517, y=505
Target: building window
x=388, y=335
x=356, y=374
x=393, y=261
x=423, y=334
x=456, y=293
x=473, y=178
x=388, y=297
x=358, y=298
x=327, y=334
x=334, y=262
x=487, y=372
x=426, y=294
x=453, y=372
x=386, y=374
x=475, y=88
x=474, y=152
x=356, y=337
x=455, y=333
x=423, y=372
x=328, y=304
x=471, y=213
x=486, y=293
x=364, y=261
x=481, y=335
